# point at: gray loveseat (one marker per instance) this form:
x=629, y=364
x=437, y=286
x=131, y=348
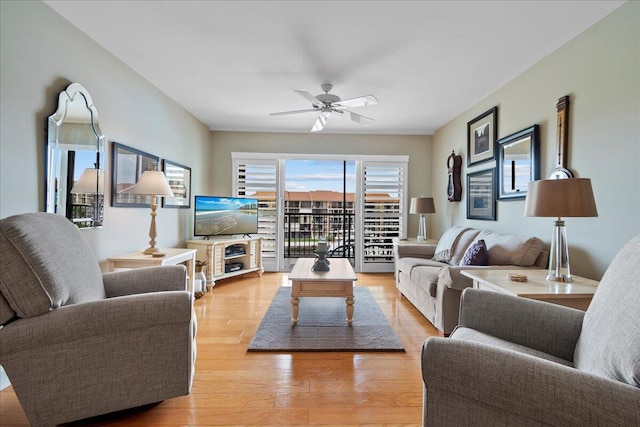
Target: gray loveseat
x=433, y=282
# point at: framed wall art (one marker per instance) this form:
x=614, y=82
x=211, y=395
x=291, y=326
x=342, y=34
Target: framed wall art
x=179, y=178
x=518, y=163
x=481, y=195
x=481, y=137
x=127, y=165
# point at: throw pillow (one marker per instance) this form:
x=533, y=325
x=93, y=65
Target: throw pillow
x=446, y=243
x=477, y=254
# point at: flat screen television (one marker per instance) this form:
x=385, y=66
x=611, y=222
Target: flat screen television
x=222, y=216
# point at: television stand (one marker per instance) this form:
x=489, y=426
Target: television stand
x=228, y=257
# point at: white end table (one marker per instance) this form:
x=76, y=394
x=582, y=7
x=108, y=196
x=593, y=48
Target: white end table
x=173, y=256
x=577, y=294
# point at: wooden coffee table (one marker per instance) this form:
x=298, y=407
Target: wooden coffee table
x=337, y=282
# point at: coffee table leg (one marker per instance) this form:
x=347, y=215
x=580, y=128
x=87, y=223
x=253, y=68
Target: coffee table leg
x=294, y=309
x=349, y=310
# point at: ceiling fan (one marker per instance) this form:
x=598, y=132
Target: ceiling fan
x=328, y=104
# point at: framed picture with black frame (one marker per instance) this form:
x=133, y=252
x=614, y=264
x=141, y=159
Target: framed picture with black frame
x=179, y=178
x=127, y=164
x=481, y=195
x=481, y=137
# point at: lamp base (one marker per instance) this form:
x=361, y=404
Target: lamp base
x=559, y=269
x=554, y=278
x=151, y=250
x=422, y=229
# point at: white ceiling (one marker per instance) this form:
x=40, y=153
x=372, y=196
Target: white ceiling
x=231, y=63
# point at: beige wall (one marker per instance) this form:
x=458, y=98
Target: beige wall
x=41, y=53
x=418, y=148
x=600, y=70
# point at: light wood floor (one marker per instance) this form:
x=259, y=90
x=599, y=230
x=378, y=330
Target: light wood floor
x=235, y=388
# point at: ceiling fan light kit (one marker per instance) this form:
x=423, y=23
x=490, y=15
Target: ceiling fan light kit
x=327, y=104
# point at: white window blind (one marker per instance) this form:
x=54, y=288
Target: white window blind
x=259, y=178
x=383, y=192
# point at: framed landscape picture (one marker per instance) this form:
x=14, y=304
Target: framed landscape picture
x=179, y=178
x=481, y=137
x=127, y=165
x=481, y=195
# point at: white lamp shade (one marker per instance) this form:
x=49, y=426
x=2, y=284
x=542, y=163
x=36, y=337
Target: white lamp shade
x=90, y=182
x=571, y=197
x=422, y=205
x=151, y=183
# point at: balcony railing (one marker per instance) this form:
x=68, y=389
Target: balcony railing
x=302, y=231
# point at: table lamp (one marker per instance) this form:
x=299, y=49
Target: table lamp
x=572, y=197
x=151, y=183
x=91, y=182
x=422, y=205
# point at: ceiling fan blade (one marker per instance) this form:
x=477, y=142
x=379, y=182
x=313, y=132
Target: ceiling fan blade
x=284, y=113
x=322, y=120
x=359, y=118
x=312, y=99
x=360, y=101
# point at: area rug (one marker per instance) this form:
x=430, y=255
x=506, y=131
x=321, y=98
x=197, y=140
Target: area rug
x=322, y=325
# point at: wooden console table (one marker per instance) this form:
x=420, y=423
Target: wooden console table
x=576, y=294
x=218, y=259
x=173, y=256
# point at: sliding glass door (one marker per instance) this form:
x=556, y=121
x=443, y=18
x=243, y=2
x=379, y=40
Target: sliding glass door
x=319, y=204
x=301, y=201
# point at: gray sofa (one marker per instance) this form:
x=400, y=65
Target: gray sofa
x=432, y=282
x=518, y=362
x=75, y=342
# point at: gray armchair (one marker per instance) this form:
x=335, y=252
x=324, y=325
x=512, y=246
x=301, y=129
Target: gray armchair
x=77, y=343
x=518, y=362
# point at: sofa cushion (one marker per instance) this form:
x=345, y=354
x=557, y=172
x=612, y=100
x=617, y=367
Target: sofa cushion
x=609, y=344
x=46, y=263
x=407, y=264
x=426, y=277
x=465, y=239
x=467, y=334
x=510, y=249
x=476, y=254
x=446, y=244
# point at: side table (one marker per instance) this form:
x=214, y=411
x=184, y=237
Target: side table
x=576, y=294
x=173, y=256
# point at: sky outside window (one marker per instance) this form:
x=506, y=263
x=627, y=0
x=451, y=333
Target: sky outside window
x=309, y=175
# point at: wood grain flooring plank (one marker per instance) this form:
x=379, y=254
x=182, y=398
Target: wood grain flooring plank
x=233, y=387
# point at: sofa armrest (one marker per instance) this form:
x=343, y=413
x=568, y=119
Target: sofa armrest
x=546, y=327
x=97, y=318
x=415, y=250
x=144, y=280
x=498, y=381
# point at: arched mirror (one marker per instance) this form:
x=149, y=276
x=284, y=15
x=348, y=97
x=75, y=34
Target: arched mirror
x=75, y=154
